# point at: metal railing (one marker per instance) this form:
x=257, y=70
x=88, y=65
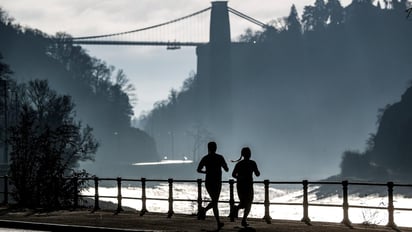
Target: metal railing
x=266, y=203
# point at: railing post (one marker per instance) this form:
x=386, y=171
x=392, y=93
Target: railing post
x=170, y=213
x=267, y=217
x=6, y=190
x=199, y=197
x=144, y=209
x=391, y=221
x=96, y=194
x=305, y=203
x=119, y=195
x=75, y=192
x=231, y=200
x=345, y=204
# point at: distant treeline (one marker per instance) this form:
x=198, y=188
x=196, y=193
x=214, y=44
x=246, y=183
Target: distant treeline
x=302, y=92
x=102, y=94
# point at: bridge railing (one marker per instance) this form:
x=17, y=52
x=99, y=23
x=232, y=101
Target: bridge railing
x=171, y=198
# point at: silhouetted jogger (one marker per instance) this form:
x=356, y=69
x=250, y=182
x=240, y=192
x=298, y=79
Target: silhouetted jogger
x=243, y=172
x=213, y=163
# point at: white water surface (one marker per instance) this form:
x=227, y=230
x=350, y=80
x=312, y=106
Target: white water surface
x=188, y=191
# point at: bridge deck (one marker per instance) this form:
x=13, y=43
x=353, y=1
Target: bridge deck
x=135, y=43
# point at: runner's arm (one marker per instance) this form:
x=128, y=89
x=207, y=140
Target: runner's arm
x=200, y=167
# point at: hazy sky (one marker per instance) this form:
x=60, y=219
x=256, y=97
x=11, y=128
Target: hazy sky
x=153, y=70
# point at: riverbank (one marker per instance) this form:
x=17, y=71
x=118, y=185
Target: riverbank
x=132, y=221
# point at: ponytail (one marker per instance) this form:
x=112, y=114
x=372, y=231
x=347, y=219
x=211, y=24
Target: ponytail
x=235, y=161
x=246, y=153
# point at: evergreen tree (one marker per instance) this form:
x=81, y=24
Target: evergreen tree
x=336, y=12
x=292, y=21
x=315, y=17
x=399, y=5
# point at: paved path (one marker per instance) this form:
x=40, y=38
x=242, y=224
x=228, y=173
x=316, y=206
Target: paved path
x=18, y=230
x=131, y=221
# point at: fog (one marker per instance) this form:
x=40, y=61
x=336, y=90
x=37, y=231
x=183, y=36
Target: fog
x=298, y=100
x=299, y=93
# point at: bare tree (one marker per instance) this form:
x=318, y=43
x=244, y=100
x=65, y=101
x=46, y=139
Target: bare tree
x=46, y=145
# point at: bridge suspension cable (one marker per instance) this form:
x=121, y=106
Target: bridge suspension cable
x=141, y=29
x=248, y=18
x=189, y=30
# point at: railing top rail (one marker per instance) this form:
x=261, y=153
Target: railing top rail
x=348, y=182
x=285, y=182
x=403, y=185
x=234, y=181
x=185, y=181
x=368, y=183
x=324, y=182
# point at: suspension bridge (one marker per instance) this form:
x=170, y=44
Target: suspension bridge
x=209, y=31
x=207, y=25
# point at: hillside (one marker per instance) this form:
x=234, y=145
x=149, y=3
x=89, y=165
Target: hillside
x=389, y=153
x=299, y=95
x=98, y=90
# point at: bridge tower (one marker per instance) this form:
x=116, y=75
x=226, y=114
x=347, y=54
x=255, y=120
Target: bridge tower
x=219, y=23
x=214, y=71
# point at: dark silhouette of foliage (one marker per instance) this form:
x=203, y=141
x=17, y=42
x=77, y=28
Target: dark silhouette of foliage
x=393, y=145
x=5, y=73
x=336, y=12
x=358, y=166
x=353, y=164
x=103, y=95
x=249, y=36
x=46, y=145
x=315, y=17
x=293, y=22
x=387, y=156
x=4, y=70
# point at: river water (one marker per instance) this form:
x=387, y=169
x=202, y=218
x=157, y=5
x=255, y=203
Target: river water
x=188, y=191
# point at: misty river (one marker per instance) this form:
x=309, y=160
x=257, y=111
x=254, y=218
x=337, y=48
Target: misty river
x=292, y=195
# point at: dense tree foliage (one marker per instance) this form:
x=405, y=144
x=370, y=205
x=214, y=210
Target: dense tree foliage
x=4, y=78
x=46, y=145
x=293, y=22
x=4, y=70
